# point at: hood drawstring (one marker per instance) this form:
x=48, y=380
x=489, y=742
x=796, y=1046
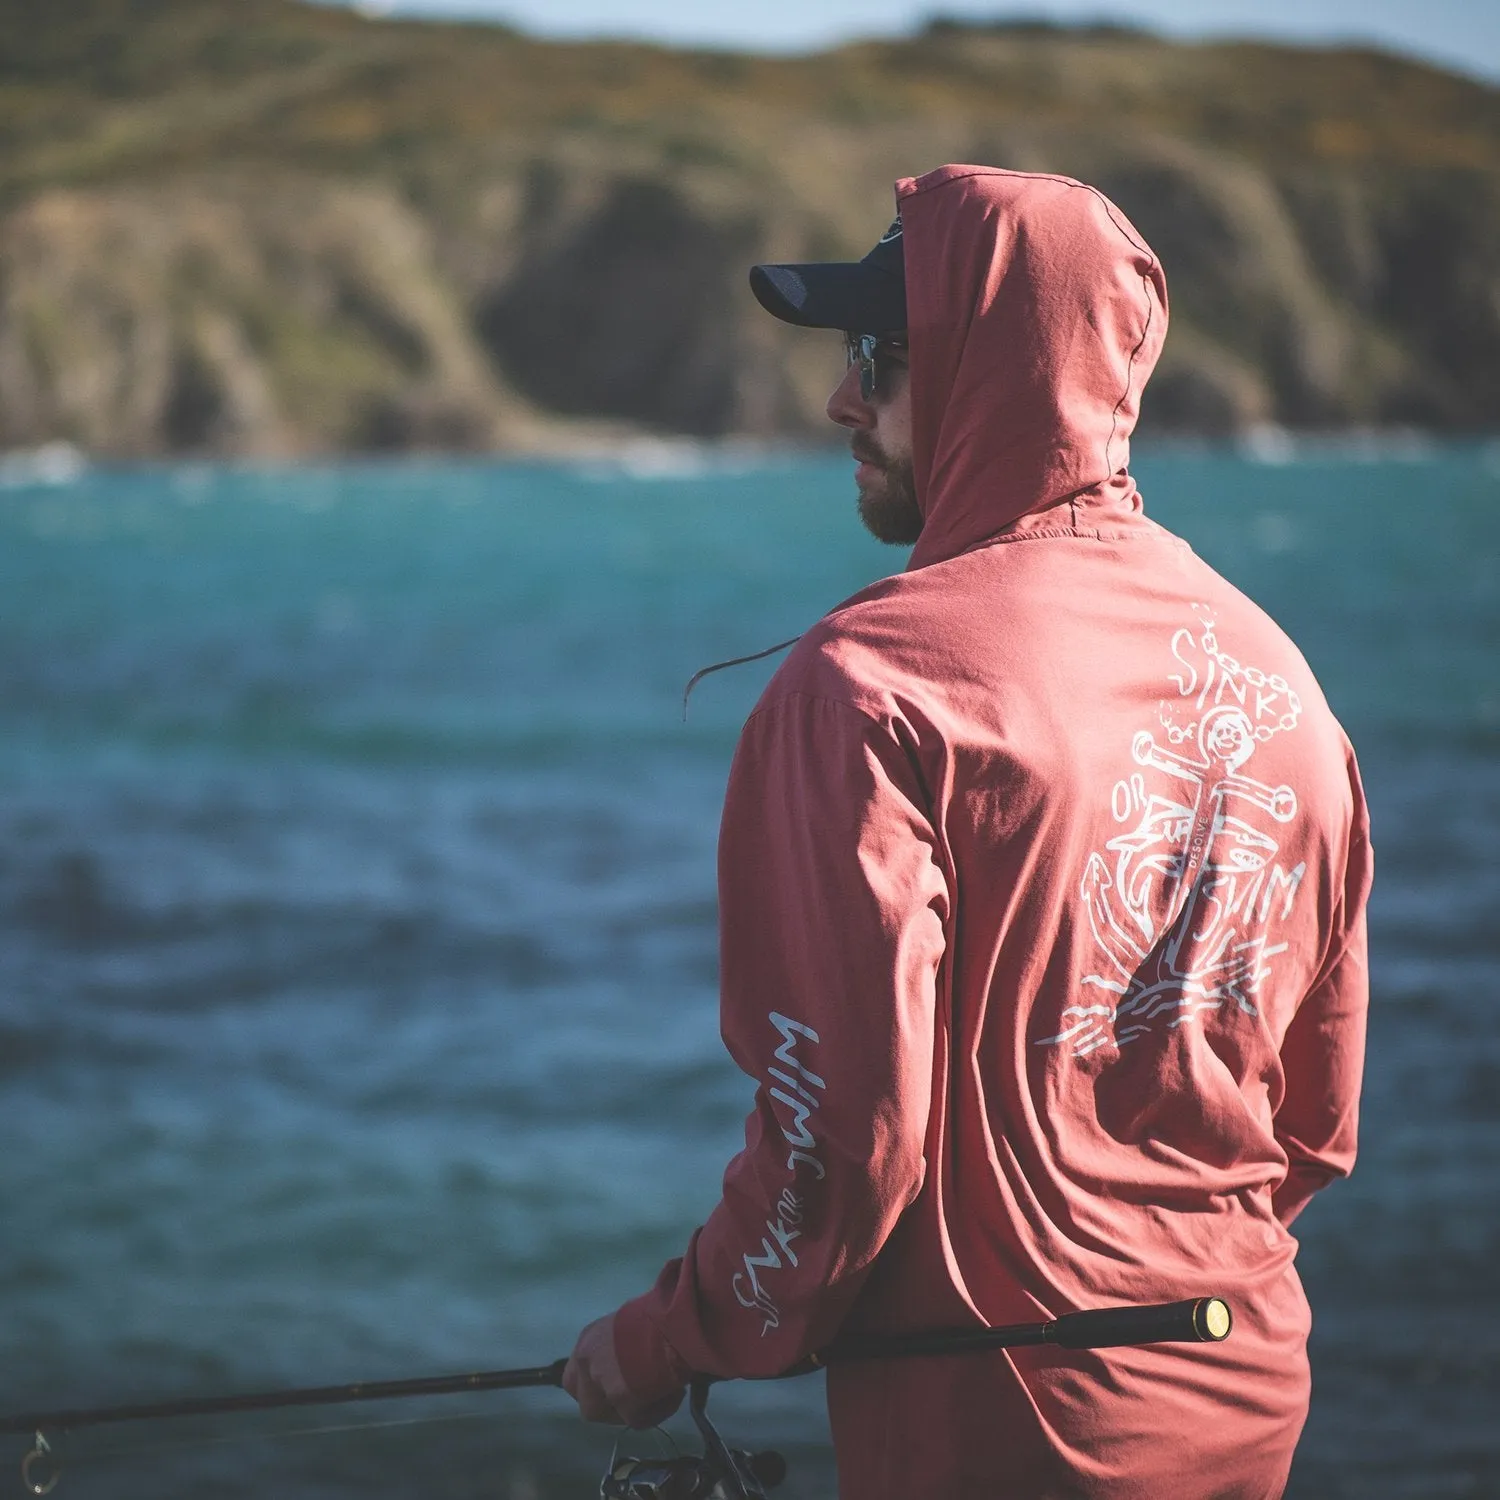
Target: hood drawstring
x=737, y=661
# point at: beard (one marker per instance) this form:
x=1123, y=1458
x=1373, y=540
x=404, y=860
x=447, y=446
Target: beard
x=888, y=508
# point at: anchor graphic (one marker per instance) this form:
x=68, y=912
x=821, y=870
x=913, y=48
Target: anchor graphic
x=1180, y=905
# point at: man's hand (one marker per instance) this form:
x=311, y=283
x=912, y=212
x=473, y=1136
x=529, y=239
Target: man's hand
x=594, y=1381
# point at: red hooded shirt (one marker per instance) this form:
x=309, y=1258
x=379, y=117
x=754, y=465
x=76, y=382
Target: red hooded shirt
x=1042, y=881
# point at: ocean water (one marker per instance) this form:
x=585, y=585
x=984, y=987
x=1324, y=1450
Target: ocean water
x=358, y=953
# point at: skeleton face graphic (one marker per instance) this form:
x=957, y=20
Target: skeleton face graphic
x=1227, y=736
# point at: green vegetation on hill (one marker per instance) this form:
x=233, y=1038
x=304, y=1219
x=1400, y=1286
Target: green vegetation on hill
x=270, y=227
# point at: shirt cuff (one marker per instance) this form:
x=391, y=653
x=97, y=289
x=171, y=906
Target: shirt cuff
x=650, y=1366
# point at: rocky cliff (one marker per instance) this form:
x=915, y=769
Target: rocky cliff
x=265, y=227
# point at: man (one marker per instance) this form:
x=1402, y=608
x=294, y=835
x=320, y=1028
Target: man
x=1043, y=871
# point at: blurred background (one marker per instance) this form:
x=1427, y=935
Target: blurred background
x=386, y=434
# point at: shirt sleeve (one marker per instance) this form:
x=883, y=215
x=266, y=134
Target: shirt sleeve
x=1322, y=1054
x=832, y=915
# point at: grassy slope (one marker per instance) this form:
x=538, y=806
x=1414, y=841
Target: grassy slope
x=1384, y=170
x=100, y=87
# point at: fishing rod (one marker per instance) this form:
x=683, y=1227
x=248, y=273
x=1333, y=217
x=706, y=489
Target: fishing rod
x=317, y=1395
x=720, y=1471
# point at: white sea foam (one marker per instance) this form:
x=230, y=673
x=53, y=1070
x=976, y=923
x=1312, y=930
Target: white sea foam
x=51, y=464
x=649, y=459
x=1268, y=444
x=1276, y=446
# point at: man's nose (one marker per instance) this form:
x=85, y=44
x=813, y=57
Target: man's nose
x=847, y=406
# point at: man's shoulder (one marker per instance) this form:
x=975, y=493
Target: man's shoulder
x=878, y=646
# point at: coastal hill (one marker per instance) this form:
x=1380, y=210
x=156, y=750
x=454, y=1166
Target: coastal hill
x=266, y=227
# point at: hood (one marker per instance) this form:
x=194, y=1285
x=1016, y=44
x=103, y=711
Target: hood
x=1035, y=312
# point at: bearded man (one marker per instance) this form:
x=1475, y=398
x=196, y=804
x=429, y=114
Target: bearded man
x=1043, y=873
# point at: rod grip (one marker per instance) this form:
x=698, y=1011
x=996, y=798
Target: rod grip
x=1198, y=1320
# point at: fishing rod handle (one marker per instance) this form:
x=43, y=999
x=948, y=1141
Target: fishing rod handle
x=1197, y=1320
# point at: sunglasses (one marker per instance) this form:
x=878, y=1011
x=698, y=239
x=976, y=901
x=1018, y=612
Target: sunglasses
x=864, y=349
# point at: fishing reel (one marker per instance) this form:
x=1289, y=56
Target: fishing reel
x=718, y=1473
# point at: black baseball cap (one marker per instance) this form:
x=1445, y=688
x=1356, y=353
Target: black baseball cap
x=862, y=296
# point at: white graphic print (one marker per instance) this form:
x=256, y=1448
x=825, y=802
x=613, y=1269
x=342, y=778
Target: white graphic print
x=1200, y=845
x=801, y=1090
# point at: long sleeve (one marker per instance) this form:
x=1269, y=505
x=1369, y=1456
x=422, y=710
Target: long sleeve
x=1323, y=1052
x=832, y=914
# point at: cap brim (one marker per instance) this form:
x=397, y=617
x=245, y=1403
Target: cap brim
x=832, y=294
